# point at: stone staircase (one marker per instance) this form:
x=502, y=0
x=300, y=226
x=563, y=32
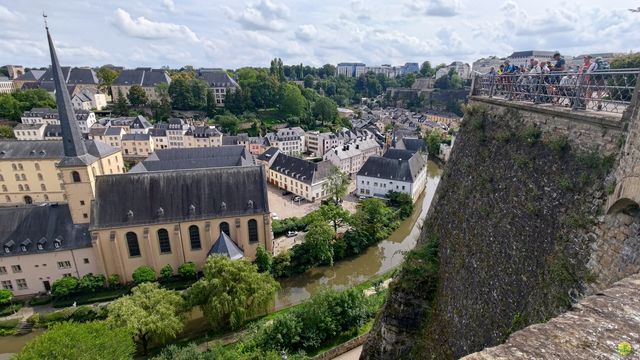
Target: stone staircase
x=24, y=328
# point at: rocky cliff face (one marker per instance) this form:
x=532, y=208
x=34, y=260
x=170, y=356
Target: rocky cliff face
x=505, y=245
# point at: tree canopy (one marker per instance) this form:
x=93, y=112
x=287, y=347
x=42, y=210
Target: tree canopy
x=14, y=104
x=106, y=75
x=231, y=292
x=80, y=341
x=337, y=184
x=149, y=313
x=325, y=110
x=137, y=96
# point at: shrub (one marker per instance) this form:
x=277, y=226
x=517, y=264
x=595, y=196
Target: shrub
x=625, y=348
x=65, y=286
x=401, y=201
x=40, y=300
x=5, y=296
x=114, y=281
x=264, y=259
x=34, y=319
x=56, y=316
x=144, y=274
x=187, y=270
x=11, y=309
x=281, y=266
x=92, y=282
x=558, y=143
x=9, y=324
x=531, y=134
x=166, y=272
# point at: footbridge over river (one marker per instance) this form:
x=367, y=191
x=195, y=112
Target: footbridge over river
x=601, y=115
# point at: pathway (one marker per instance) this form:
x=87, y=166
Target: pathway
x=353, y=354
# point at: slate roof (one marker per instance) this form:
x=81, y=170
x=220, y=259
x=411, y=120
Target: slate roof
x=31, y=75
x=395, y=164
x=412, y=144
x=286, y=134
x=40, y=225
x=22, y=126
x=135, y=198
x=75, y=76
x=225, y=246
x=532, y=53
x=136, y=137
x=234, y=139
x=205, y=132
x=47, y=113
x=195, y=158
x=157, y=132
x=217, y=78
x=53, y=130
x=305, y=171
x=145, y=77
x=47, y=149
x=268, y=154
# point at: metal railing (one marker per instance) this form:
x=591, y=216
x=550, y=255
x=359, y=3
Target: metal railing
x=607, y=90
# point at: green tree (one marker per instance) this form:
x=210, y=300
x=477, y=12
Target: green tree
x=187, y=270
x=105, y=79
x=120, y=106
x=199, y=91
x=292, y=103
x=232, y=292
x=180, y=94
x=325, y=110
x=433, y=139
x=309, y=80
x=65, y=286
x=149, y=313
x=137, y=96
x=374, y=219
x=402, y=201
x=6, y=132
x=114, y=281
x=10, y=108
x=264, y=259
x=228, y=123
x=317, y=244
x=335, y=214
x=5, y=296
x=211, y=107
x=166, y=272
x=337, y=184
x=426, y=70
x=80, y=341
x=91, y=282
x=144, y=274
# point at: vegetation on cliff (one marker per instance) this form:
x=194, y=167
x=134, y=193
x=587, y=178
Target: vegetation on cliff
x=505, y=244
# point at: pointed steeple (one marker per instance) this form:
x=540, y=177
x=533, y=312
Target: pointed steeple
x=75, y=151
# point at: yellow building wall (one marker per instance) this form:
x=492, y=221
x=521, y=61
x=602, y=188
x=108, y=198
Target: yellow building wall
x=111, y=248
x=33, y=170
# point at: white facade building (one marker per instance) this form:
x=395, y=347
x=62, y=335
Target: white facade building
x=397, y=170
x=350, y=157
x=86, y=119
x=6, y=85
x=289, y=140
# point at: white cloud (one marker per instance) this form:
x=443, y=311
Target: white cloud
x=306, y=32
x=8, y=15
x=144, y=28
x=445, y=8
x=169, y=4
x=82, y=51
x=263, y=15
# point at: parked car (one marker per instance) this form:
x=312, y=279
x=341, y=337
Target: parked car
x=292, y=233
x=286, y=192
x=274, y=216
x=362, y=197
x=297, y=198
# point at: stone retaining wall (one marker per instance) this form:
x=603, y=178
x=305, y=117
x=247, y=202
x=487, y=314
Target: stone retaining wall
x=342, y=348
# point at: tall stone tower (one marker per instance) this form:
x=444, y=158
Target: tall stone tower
x=78, y=167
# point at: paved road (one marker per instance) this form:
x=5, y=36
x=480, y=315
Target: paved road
x=350, y=355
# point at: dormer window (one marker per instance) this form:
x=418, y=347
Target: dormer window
x=250, y=204
x=8, y=246
x=192, y=209
x=57, y=242
x=129, y=214
x=223, y=206
x=41, y=243
x=160, y=212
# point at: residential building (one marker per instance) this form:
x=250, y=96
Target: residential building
x=176, y=130
x=320, y=143
x=255, y=144
x=84, y=118
x=108, y=135
x=147, y=78
x=137, y=145
x=288, y=140
x=112, y=224
x=52, y=132
x=195, y=158
x=386, y=70
x=77, y=79
x=484, y=65
x=6, y=85
x=159, y=137
x=521, y=58
x=409, y=68
x=397, y=170
x=350, y=69
x=463, y=69
x=88, y=100
x=301, y=177
x=219, y=82
x=267, y=158
x=132, y=124
x=350, y=157
x=577, y=61
x=40, y=244
x=30, y=77
x=29, y=131
x=203, y=136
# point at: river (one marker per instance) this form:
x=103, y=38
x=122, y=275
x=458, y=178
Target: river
x=374, y=261
x=345, y=273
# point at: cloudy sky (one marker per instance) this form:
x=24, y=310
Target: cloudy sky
x=231, y=34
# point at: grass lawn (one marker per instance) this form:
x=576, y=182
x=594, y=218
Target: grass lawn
x=82, y=299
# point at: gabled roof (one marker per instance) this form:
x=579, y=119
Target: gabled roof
x=195, y=158
x=75, y=76
x=395, y=164
x=47, y=149
x=52, y=130
x=226, y=247
x=43, y=225
x=136, y=137
x=302, y=170
x=145, y=77
x=217, y=78
x=412, y=144
x=134, y=198
x=269, y=154
x=205, y=131
x=31, y=75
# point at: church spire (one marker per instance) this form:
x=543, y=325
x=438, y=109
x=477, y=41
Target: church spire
x=75, y=151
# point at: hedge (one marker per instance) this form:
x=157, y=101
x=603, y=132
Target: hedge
x=101, y=296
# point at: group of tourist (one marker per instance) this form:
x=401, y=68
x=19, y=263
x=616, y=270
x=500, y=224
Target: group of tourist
x=550, y=82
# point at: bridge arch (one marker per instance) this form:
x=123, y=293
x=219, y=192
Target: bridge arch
x=626, y=195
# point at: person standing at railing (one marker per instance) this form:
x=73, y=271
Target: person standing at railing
x=553, y=80
x=509, y=75
x=597, y=80
x=535, y=81
x=567, y=89
x=583, y=93
x=491, y=81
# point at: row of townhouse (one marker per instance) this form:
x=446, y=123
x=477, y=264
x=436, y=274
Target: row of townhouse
x=47, y=116
x=350, y=157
